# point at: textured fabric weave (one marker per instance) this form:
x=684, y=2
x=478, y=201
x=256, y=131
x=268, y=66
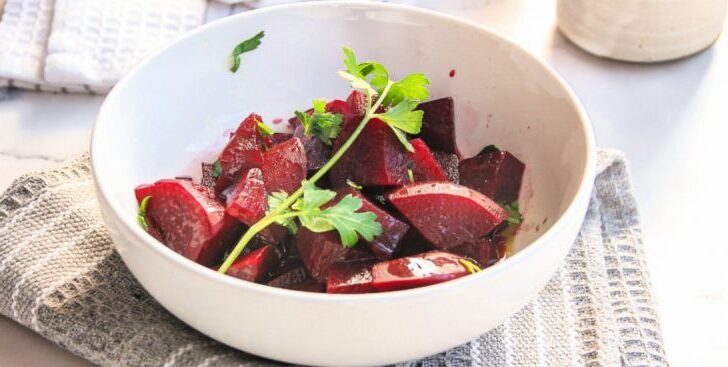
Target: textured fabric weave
x=60, y=276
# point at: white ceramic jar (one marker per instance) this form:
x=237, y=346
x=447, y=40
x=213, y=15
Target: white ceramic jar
x=642, y=30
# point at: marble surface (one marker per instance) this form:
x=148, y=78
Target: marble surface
x=669, y=119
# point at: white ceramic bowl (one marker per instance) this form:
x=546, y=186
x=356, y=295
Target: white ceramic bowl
x=173, y=109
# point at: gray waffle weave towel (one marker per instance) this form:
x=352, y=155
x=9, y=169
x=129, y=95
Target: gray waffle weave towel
x=60, y=276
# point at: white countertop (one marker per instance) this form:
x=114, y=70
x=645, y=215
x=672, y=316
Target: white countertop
x=670, y=119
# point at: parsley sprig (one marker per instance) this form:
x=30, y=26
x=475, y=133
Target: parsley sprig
x=401, y=98
x=324, y=125
x=249, y=44
x=514, y=214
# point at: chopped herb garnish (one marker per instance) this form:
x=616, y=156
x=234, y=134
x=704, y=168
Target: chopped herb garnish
x=514, y=215
x=353, y=184
x=324, y=125
x=410, y=175
x=216, y=170
x=489, y=149
x=342, y=217
x=142, y=213
x=249, y=44
x=470, y=266
x=264, y=129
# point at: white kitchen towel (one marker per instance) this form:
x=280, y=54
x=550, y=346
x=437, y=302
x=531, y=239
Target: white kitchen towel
x=86, y=46
x=60, y=276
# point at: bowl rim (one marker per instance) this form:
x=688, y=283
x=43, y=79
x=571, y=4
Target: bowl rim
x=530, y=250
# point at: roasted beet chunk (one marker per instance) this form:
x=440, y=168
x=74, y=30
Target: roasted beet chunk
x=438, y=125
x=376, y=158
x=424, y=165
x=479, y=251
x=247, y=201
x=449, y=162
x=284, y=166
x=243, y=152
x=393, y=230
x=417, y=271
x=290, y=278
x=413, y=244
x=319, y=251
x=317, y=152
x=446, y=214
x=357, y=102
x=188, y=219
x=277, y=138
x=207, y=180
x=254, y=266
x=350, y=277
x=496, y=174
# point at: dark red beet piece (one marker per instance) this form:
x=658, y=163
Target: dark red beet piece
x=317, y=152
x=188, y=219
x=424, y=165
x=290, y=278
x=446, y=214
x=376, y=158
x=393, y=230
x=496, y=174
x=359, y=253
x=309, y=286
x=247, y=201
x=357, y=102
x=284, y=166
x=413, y=243
x=243, y=152
x=350, y=277
x=319, y=251
x=207, y=179
x=479, y=251
x=277, y=138
x=449, y=162
x=438, y=125
x=417, y=271
x=254, y=266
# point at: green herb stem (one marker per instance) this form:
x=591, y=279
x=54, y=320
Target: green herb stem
x=276, y=215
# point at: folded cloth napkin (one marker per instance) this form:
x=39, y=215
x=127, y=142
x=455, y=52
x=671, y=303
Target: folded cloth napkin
x=60, y=276
x=86, y=46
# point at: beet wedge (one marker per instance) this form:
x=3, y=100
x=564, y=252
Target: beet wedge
x=284, y=166
x=243, y=152
x=478, y=251
x=319, y=251
x=496, y=174
x=417, y=271
x=446, y=214
x=247, y=201
x=254, y=266
x=350, y=277
x=393, y=230
x=425, y=166
x=438, y=125
x=188, y=219
x=450, y=163
x=376, y=158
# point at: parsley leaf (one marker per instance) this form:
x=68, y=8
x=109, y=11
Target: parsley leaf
x=264, y=129
x=489, y=149
x=410, y=175
x=142, y=213
x=275, y=200
x=413, y=87
x=249, y=44
x=216, y=170
x=342, y=217
x=514, y=215
x=349, y=223
x=324, y=125
x=403, y=118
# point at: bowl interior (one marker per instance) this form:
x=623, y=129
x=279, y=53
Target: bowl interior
x=176, y=109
